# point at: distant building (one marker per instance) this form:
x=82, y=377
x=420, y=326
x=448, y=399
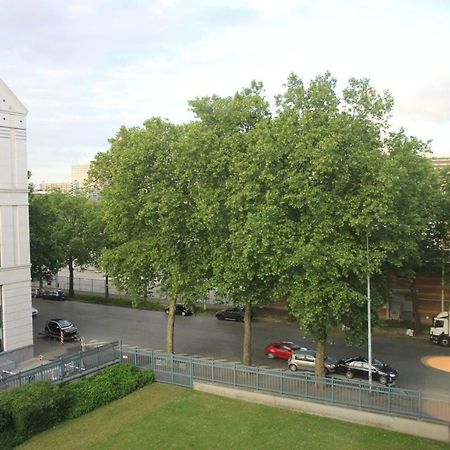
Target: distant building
x=440, y=162
x=79, y=174
x=16, y=328
x=63, y=186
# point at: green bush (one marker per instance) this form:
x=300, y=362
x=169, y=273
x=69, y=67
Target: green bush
x=108, y=385
x=40, y=405
x=28, y=410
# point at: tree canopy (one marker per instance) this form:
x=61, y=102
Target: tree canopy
x=264, y=204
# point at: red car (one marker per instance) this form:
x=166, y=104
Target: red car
x=281, y=350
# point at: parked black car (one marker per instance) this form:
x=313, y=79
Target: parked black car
x=57, y=294
x=358, y=366
x=54, y=327
x=236, y=314
x=54, y=295
x=181, y=310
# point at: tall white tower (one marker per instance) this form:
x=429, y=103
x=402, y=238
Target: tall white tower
x=16, y=328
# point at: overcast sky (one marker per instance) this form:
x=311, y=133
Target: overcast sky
x=83, y=68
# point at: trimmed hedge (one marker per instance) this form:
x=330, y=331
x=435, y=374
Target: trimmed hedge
x=110, y=384
x=40, y=405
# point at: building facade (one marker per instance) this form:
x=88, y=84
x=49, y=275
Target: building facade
x=16, y=328
x=79, y=174
x=63, y=186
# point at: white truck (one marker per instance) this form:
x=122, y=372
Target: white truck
x=440, y=332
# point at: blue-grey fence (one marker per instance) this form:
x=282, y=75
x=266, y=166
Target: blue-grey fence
x=67, y=367
x=184, y=370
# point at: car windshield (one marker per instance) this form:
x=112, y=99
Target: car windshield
x=377, y=364
x=292, y=346
x=64, y=323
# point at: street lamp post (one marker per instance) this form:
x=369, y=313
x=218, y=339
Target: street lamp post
x=369, y=321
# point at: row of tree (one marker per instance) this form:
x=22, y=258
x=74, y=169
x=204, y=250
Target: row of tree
x=266, y=203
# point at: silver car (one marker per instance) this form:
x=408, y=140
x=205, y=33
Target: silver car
x=306, y=360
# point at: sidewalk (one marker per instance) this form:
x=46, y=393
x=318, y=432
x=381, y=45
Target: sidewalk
x=48, y=356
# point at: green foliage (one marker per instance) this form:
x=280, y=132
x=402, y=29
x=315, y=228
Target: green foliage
x=110, y=384
x=40, y=405
x=262, y=206
x=29, y=410
x=45, y=248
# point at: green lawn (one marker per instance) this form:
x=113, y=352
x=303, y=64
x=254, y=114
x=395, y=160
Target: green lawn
x=169, y=417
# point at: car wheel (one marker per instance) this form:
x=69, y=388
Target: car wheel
x=445, y=342
x=219, y=317
x=183, y=313
x=293, y=367
x=270, y=355
x=349, y=374
x=384, y=380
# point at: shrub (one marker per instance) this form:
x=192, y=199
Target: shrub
x=110, y=384
x=28, y=410
x=37, y=406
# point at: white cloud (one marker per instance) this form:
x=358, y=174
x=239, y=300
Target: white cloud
x=85, y=68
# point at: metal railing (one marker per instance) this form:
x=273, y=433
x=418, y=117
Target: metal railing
x=97, y=286
x=67, y=367
x=184, y=370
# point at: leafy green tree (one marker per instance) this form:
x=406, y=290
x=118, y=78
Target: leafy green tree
x=45, y=249
x=73, y=215
x=151, y=216
x=335, y=201
x=239, y=198
x=413, y=239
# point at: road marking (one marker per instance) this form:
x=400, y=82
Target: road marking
x=437, y=362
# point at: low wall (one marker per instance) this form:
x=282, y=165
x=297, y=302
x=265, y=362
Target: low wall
x=408, y=426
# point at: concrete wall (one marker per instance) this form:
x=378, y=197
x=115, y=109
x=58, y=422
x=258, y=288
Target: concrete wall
x=15, y=283
x=388, y=422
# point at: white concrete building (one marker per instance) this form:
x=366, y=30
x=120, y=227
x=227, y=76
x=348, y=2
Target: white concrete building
x=16, y=328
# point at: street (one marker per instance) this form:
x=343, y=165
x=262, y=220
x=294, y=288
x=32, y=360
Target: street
x=206, y=336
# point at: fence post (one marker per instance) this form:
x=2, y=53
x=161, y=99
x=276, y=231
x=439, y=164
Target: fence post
x=98, y=356
x=307, y=386
x=419, y=403
x=212, y=371
x=332, y=390
x=135, y=357
x=234, y=375
x=281, y=383
x=257, y=380
x=389, y=399
x=191, y=370
x=171, y=368
x=61, y=369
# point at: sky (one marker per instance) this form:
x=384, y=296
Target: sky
x=84, y=68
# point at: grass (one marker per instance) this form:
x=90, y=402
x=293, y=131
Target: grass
x=169, y=417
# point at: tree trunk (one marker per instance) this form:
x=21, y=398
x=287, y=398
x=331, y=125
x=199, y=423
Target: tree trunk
x=170, y=326
x=71, y=292
x=319, y=368
x=106, y=287
x=415, y=307
x=247, y=345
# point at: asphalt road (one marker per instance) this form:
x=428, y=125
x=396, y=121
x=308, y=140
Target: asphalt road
x=205, y=335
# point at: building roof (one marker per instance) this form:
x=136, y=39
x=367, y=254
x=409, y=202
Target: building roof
x=9, y=102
